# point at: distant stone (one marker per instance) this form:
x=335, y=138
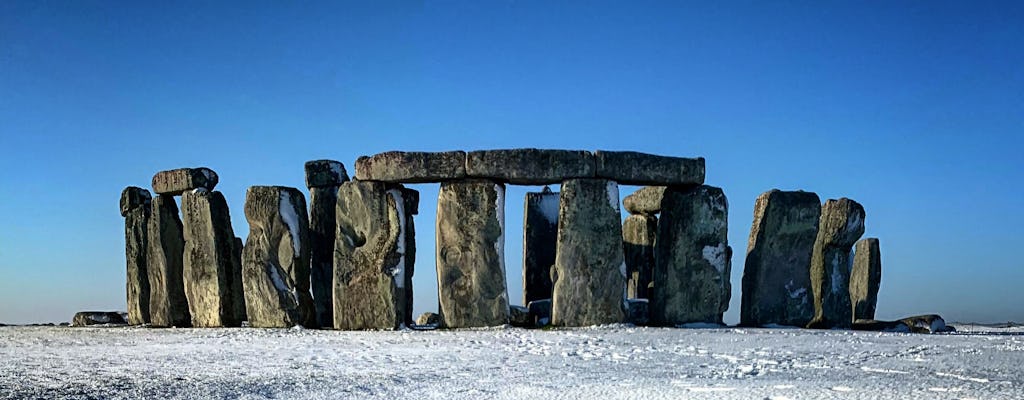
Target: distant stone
x=930, y=323
x=540, y=236
x=841, y=224
x=776, y=276
x=865, y=278
x=540, y=312
x=693, y=262
x=325, y=173
x=135, y=208
x=236, y=282
x=410, y=200
x=178, y=181
x=412, y=167
x=638, y=312
x=428, y=319
x=530, y=166
x=633, y=168
x=86, y=318
x=134, y=197
x=209, y=271
x=168, y=305
x=519, y=316
x=275, y=259
x=323, y=203
x=645, y=201
x=639, y=233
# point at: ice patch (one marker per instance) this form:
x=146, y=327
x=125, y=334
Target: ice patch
x=613, y=195
x=548, y=207
x=715, y=255
x=292, y=221
x=399, y=272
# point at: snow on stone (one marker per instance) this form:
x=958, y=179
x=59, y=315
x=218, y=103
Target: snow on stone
x=208, y=174
x=336, y=169
x=499, y=208
x=613, y=195
x=715, y=255
x=278, y=281
x=548, y=206
x=798, y=293
x=199, y=190
x=399, y=272
x=292, y=221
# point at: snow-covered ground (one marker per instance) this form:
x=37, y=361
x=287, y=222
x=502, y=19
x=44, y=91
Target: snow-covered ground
x=589, y=363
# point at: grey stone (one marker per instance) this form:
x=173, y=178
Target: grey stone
x=429, y=319
x=236, y=282
x=633, y=168
x=323, y=204
x=325, y=173
x=776, y=276
x=275, y=259
x=178, y=181
x=368, y=264
x=645, y=201
x=638, y=311
x=135, y=208
x=841, y=224
x=540, y=236
x=168, y=305
x=930, y=323
x=865, y=278
x=470, y=254
x=411, y=200
x=86, y=318
x=209, y=271
x=530, y=166
x=639, y=233
x=693, y=258
x=540, y=311
x=589, y=276
x=520, y=317
x=412, y=167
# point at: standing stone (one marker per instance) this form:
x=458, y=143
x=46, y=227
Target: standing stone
x=368, y=265
x=776, y=276
x=638, y=236
x=633, y=168
x=540, y=236
x=693, y=260
x=865, y=278
x=135, y=208
x=275, y=260
x=589, y=276
x=208, y=268
x=178, y=181
x=530, y=166
x=236, y=280
x=842, y=223
x=168, y=305
x=412, y=207
x=646, y=200
x=471, y=254
x=323, y=177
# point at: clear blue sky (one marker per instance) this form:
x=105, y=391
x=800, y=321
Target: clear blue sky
x=914, y=109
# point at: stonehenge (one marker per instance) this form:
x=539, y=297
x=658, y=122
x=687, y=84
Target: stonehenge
x=168, y=305
x=212, y=276
x=865, y=278
x=135, y=208
x=540, y=234
x=639, y=233
x=842, y=223
x=323, y=178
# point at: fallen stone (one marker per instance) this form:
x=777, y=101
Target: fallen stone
x=412, y=167
x=471, y=255
x=86, y=318
x=209, y=273
x=520, y=317
x=178, y=181
x=429, y=319
x=645, y=201
x=841, y=224
x=275, y=259
x=638, y=235
x=865, y=278
x=633, y=168
x=693, y=262
x=930, y=323
x=323, y=203
x=168, y=305
x=638, y=312
x=589, y=277
x=135, y=208
x=540, y=236
x=530, y=166
x=540, y=312
x=325, y=173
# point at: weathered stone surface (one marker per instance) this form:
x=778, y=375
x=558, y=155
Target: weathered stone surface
x=177, y=181
x=368, y=265
x=633, y=168
x=589, y=276
x=471, y=254
x=930, y=323
x=646, y=200
x=236, y=282
x=519, y=317
x=530, y=166
x=540, y=311
x=841, y=224
x=776, y=276
x=275, y=259
x=209, y=271
x=168, y=305
x=86, y=318
x=865, y=278
x=428, y=319
x=325, y=173
x=638, y=236
x=540, y=236
x=135, y=208
x=412, y=167
x=638, y=312
x=411, y=201
x=323, y=203
x=693, y=258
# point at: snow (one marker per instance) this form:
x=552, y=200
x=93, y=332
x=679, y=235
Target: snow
x=715, y=255
x=292, y=220
x=399, y=272
x=606, y=362
x=199, y=190
x=613, y=195
x=282, y=287
x=499, y=244
x=548, y=207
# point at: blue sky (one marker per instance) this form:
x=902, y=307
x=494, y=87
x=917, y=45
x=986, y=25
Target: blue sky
x=914, y=109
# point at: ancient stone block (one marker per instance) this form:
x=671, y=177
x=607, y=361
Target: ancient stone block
x=519, y=316
x=633, y=168
x=168, y=305
x=471, y=254
x=530, y=166
x=86, y=318
x=323, y=203
x=135, y=208
x=638, y=236
x=411, y=200
x=209, y=271
x=693, y=258
x=776, y=276
x=645, y=201
x=325, y=173
x=412, y=167
x=275, y=259
x=133, y=197
x=841, y=224
x=589, y=277
x=177, y=181
x=865, y=278
x=540, y=236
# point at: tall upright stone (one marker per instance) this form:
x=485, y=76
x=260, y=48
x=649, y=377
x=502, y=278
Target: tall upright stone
x=693, y=257
x=236, y=283
x=368, y=264
x=168, y=305
x=540, y=236
x=275, y=259
x=323, y=177
x=135, y=208
x=639, y=232
x=209, y=271
x=589, y=277
x=865, y=278
x=471, y=254
x=776, y=275
x=842, y=223
x=411, y=199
